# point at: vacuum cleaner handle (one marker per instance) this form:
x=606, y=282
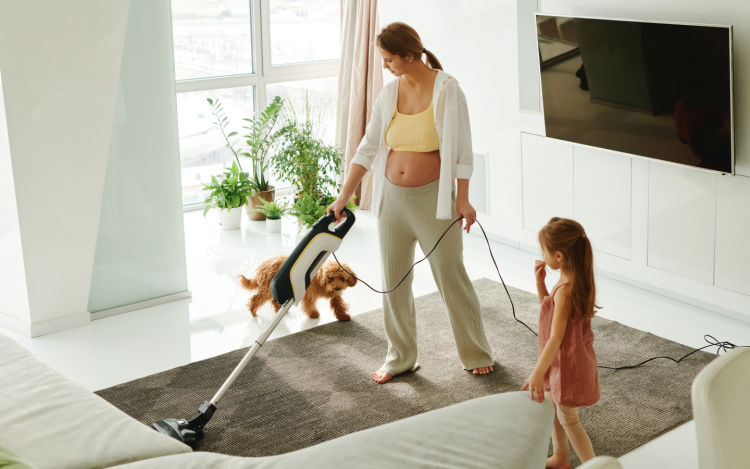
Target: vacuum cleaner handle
x=294, y=276
x=324, y=223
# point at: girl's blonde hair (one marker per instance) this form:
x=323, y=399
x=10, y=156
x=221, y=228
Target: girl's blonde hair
x=569, y=238
x=401, y=39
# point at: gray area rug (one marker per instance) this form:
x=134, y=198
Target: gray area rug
x=314, y=385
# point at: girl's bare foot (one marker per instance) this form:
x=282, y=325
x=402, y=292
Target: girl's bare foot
x=483, y=370
x=558, y=461
x=380, y=377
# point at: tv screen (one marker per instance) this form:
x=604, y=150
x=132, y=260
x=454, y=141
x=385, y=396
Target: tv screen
x=657, y=90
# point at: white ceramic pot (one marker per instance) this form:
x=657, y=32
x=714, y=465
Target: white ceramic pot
x=273, y=226
x=230, y=219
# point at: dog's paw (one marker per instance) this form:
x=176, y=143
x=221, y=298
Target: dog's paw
x=343, y=317
x=314, y=314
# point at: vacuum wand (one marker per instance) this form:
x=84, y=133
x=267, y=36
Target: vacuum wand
x=288, y=288
x=251, y=353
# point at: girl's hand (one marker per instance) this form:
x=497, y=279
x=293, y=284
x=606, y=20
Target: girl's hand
x=465, y=210
x=540, y=271
x=535, y=385
x=337, y=206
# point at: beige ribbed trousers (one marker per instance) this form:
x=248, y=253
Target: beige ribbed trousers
x=407, y=216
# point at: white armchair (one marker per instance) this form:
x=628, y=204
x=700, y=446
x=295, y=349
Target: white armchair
x=721, y=409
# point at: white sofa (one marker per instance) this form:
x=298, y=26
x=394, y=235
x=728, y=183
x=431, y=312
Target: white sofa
x=53, y=423
x=721, y=409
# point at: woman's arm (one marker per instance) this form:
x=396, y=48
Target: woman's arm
x=463, y=207
x=356, y=173
x=535, y=383
x=464, y=150
x=363, y=158
x=370, y=144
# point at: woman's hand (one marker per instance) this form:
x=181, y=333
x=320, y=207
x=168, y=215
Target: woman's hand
x=465, y=210
x=535, y=385
x=337, y=206
x=540, y=271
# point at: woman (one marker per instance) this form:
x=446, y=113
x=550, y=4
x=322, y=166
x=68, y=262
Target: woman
x=420, y=142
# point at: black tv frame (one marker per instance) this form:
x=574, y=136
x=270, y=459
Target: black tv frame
x=545, y=63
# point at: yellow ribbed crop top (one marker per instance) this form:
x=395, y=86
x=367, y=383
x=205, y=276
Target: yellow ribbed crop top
x=413, y=132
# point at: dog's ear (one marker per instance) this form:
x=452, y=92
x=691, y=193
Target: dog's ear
x=351, y=280
x=323, y=274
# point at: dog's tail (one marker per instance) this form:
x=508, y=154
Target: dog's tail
x=249, y=283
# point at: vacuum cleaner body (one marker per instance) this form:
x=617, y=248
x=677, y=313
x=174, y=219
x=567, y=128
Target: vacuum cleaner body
x=288, y=288
x=295, y=274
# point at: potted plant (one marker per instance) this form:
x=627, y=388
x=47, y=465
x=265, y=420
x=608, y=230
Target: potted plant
x=228, y=192
x=308, y=163
x=273, y=212
x=257, y=144
x=309, y=208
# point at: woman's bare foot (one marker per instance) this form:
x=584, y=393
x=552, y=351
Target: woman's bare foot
x=483, y=370
x=558, y=461
x=380, y=377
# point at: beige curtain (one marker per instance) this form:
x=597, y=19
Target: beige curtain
x=360, y=82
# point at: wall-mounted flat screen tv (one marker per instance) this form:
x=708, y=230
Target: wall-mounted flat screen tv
x=658, y=90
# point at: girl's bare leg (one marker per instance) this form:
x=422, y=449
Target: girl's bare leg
x=559, y=458
x=578, y=438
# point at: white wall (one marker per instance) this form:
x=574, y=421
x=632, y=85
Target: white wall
x=13, y=299
x=60, y=64
x=675, y=230
x=140, y=249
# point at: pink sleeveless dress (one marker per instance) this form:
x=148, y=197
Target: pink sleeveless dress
x=573, y=378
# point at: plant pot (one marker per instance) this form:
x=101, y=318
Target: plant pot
x=255, y=202
x=273, y=226
x=230, y=219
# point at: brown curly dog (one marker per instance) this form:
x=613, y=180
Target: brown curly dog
x=328, y=282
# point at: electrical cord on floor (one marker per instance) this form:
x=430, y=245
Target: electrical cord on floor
x=722, y=345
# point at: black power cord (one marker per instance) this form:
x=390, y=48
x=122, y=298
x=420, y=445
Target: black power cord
x=712, y=341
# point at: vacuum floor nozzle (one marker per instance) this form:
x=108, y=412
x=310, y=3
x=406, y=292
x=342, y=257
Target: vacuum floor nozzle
x=187, y=431
x=179, y=429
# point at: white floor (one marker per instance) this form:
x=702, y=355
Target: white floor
x=113, y=350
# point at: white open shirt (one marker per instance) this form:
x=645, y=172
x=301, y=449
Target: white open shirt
x=454, y=133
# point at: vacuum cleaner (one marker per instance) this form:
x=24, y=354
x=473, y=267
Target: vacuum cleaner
x=288, y=287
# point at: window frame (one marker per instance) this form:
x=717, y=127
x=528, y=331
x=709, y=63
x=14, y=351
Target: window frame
x=264, y=73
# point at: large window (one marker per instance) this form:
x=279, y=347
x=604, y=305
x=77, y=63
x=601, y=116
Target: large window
x=245, y=52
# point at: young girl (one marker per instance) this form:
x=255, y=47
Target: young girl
x=566, y=369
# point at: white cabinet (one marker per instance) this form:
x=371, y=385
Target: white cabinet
x=602, y=198
x=547, y=176
x=733, y=233
x=681, y=221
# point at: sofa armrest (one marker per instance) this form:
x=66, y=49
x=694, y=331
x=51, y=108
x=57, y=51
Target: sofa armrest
x=54, y=423
x=507, y=431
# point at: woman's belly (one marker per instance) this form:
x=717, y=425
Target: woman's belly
x=412, y=168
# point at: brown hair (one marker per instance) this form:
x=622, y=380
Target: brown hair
x=568, y=237
x=401, y=39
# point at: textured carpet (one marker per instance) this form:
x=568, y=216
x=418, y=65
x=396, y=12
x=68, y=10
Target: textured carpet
x=314, y=385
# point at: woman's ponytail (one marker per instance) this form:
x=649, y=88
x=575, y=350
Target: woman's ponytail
x=432, y=61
